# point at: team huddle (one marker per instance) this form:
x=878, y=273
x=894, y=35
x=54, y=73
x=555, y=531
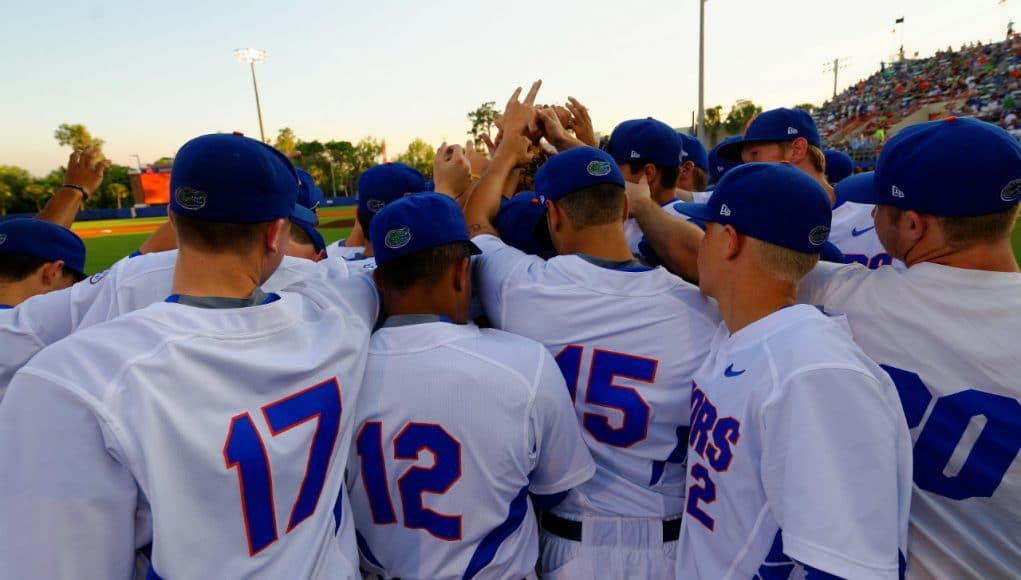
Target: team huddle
x=556, y=360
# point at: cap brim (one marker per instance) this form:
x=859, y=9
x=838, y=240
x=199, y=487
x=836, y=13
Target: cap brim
x=731, y=151
x=860, y=188
x=699, y=211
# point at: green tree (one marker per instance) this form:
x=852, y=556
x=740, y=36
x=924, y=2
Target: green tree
x=806, y=107
x=77, y=136
x=119, y=192
x=286, y=141
x=740, y=114
x=36, y=192
x=419, y=155
x=482, y=120
x=713, y=123
x=13, y=181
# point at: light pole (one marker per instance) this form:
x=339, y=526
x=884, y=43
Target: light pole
x=252, y=56
x=701, y=70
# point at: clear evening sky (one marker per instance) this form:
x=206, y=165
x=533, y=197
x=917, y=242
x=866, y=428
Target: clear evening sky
x=147, y=76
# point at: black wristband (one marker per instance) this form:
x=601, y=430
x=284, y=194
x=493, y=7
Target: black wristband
x=85, y=194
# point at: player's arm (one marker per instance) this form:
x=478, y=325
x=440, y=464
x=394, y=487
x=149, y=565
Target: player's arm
x=67, y=505
x=836, y=471
x=85, y=171
x=513, y=151
x=674, y=240
x=560, y=460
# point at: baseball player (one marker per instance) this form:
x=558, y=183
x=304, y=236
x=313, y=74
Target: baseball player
x=839, y=166
x=946, y=195
x=306, y=241
x=693, y=173
x=718, y=167
x=790, y=135
x=456, y=425
x=180, y=429
x=649, y=149
x=799, y=459
x=37, y=257
x=377, y=187
x=624, y=335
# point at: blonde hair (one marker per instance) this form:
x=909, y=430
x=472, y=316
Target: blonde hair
x=815, y=155
x=782, y=263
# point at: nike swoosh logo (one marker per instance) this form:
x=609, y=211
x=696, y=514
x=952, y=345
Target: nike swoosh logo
x=730, y=372
x=856, y=232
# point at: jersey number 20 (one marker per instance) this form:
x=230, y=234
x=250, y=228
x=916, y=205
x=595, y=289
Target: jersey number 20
x=602, y=392
x=245, y=451
x=994, y=449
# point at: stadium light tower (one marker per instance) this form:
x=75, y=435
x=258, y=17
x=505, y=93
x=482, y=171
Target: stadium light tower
x=700, y=132
x=252, y=56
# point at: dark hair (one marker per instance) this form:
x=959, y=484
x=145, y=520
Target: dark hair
x=596, y=205
x=667, y=175
x=17, y=267
x=701, y=179
x=219, y=237
x=300, y=236
x=422, y=267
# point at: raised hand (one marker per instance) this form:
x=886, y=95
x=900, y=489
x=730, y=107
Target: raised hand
x=581, y=122
x=85, y=170
x=451, y=170
x=478, y=160
x=518, y=114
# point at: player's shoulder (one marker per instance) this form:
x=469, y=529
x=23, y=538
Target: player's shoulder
x=812, y=339
x=518, y=358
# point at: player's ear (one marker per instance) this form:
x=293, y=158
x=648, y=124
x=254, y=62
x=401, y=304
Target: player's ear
x=798, y=150
x=461, y=275
x=914, y=226
x=277, y=236
x=554, y=219
x=735, y=242
x=627, y=210
x=650, y=172
x=52, y=272
x=320, y=255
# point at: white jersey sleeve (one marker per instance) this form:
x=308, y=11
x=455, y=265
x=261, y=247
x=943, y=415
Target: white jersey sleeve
x=830, y=470
x=493, y=268
x=561, y=460
x=74, y=485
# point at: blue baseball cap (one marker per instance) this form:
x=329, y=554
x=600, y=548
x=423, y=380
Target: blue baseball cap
x=839, y=165
x=772, y=126
x=415, y=223
x=307, y=220
x=43, y=240
x=773, y=202
x=521, y=223
x=719, y=166
x=645, y=141
x=954, y=167
x=309, y=194
x=384, y=184
x=575, y=169
x=231, y=178
x=693, y=150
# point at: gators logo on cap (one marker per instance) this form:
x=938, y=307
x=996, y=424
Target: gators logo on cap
x=189, y=198
x=598, y=168
x=398, y=238
x=1009, y=193
x=375, y=205
x=818, y=235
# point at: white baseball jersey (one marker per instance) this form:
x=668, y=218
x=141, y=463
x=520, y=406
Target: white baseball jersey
x=128, y=285
x=701, y=196
x=339, y=250
x=948, y=337
x=853, y=232
x=798, y=456
x=218, y=436
x=625, y=341
x=633, y=232
x=455, y=427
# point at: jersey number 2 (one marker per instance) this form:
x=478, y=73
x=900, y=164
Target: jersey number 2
x=415, y=481
x=245, y=451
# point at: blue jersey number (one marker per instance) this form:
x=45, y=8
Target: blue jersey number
x=245, y=451
x=602, y=392
x=870, y=263
x=991, y=454
x=438, y=479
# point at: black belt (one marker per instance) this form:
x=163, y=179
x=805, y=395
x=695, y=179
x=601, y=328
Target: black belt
x=571, y=530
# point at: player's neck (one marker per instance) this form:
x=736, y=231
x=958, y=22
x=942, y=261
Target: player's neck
x=739, y=307
x=663, y=196
x=367, y=251
x=425, y=301
x=607, y=242
x=12, y=294
x=994, y=257
x=222, y=275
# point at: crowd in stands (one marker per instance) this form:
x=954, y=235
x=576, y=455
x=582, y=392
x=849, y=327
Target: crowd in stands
x=980, y=80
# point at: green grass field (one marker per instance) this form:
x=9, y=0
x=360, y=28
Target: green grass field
x=106, y=250
x=103, y=251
